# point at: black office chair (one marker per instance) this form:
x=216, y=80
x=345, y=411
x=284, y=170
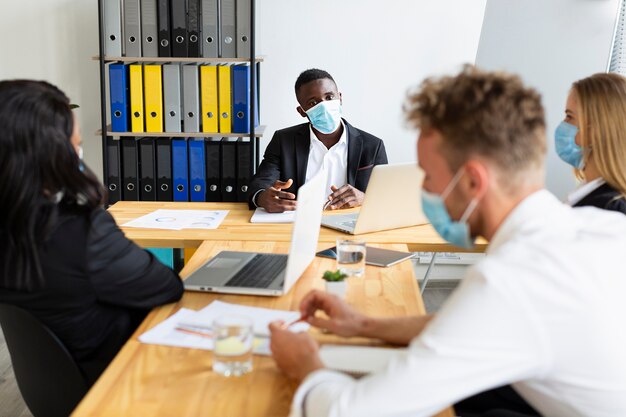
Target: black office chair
x=49, y=379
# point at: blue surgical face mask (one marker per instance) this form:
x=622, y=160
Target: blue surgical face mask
x=325, y=116
x=455, y=232
x=565, y=145
x=81, y=165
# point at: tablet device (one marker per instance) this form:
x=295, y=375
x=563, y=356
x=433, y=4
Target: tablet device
x=373, y=256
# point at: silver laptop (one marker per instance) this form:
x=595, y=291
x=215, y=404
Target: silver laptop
x=263, y=273
x=392, y=200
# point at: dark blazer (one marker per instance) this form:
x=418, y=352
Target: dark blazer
x=604, y=197
x=99, y=287
x=287, y=156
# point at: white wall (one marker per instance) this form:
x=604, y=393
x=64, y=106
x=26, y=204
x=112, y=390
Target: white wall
x=54, y=40
x=375, y=50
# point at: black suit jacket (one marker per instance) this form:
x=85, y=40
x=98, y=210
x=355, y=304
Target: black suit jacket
x=99, y=286
x=604, y=197
x=287, y=156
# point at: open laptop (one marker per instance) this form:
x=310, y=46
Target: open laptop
x=262, y=273
x=392, y=200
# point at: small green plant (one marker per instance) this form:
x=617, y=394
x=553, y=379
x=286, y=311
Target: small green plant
x=74, y=106
x=334, y=276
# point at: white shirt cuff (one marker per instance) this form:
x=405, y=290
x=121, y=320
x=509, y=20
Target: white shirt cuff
x=317, y=393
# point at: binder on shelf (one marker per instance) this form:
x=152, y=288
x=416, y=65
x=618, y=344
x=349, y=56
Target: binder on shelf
x=178, y=27
x=241, y=100
x=210, y=39
x=149, y=34
x=130, y=185
x=118, y=92
x=171, y=97
x=153, y=98
x=208, y=93
x=224, y=97
x=197, y=170
x=227, y=30
x=113, y=176
x=112, y=28
x=163, y=28
x=244, y=166
x=191, y=101
x=136, y=97
x=132, y=27
x=180, y=172
x=243, y=28
x=228, y=174
x=163, y=169
x=193, y=29
x=213, y=169
x=147, y=171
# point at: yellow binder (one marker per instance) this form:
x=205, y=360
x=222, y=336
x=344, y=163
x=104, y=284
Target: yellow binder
x=153, y=96
x=225, y=93
x=136, y=98
x=208, y=92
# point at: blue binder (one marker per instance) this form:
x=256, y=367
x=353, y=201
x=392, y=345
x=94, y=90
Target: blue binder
x=241, y=97
x=118, y=86
x=197, y=170
x=180, y=170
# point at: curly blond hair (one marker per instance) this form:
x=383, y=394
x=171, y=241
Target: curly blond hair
x=487, y=114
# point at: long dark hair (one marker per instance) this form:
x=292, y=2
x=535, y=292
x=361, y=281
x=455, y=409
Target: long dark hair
x=39, y=169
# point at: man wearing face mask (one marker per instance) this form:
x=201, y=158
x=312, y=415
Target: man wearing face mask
x=536, y=328
x=327, y=141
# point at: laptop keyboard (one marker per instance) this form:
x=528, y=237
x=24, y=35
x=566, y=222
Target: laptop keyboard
x=259, y=272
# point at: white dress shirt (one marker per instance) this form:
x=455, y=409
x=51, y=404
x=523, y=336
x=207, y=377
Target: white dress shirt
x=544, y=311
x=584, y=190
x=334, y=160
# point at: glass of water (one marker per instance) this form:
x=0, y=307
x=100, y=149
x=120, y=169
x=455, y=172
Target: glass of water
x=232, y=350
x=351, y=257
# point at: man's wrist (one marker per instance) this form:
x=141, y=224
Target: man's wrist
x=310, y=367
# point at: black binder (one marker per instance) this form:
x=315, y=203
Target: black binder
x=243, y=169
x=163, y=27
x=193, y=28
x=147, y=183
x=113, y=182
x=213, y=168
x=228, y=177
x=130, y=186
x=178, y=27
x=164, y=169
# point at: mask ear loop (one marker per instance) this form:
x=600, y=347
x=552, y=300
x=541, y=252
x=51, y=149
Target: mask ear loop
x=469, y=210
x=452, y=184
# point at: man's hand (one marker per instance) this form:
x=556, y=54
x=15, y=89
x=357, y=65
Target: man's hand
x=273, y=200
x=342, y=319
x=296, y=354
x=345, y=197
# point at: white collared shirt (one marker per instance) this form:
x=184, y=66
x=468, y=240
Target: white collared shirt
x=334, y=160
x=544, y=311
x=584, y=190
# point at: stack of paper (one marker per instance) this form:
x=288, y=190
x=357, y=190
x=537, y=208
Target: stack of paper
x=179, y=219
x=262, y=216
x=172, y=331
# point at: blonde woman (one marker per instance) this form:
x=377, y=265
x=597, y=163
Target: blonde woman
x=592, y=138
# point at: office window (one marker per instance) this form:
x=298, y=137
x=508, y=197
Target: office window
x=618, y=55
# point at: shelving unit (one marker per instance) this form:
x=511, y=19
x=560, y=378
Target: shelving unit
x=107, y=134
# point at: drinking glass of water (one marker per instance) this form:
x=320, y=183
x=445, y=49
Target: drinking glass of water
x=351, y=257
x=232, y=350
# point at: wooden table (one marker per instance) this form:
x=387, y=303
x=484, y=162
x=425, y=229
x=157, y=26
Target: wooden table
x=160, y=381
x=237, y=227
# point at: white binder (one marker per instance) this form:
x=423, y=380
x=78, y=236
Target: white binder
x=112, y=28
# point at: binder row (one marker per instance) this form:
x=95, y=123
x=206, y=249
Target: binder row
x=177, y=28
x=180, y=98
x=178, y=169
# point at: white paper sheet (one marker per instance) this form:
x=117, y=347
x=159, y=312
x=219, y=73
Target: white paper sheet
x=179, y=219
x=262, y=216
x=165, y=333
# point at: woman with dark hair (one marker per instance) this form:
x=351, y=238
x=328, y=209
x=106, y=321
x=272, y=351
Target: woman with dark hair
x=62, y=257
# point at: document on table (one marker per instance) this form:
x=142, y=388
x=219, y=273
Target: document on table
x=358, y=360
x=262, y=216
x=174, y=331
x=179, y=219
